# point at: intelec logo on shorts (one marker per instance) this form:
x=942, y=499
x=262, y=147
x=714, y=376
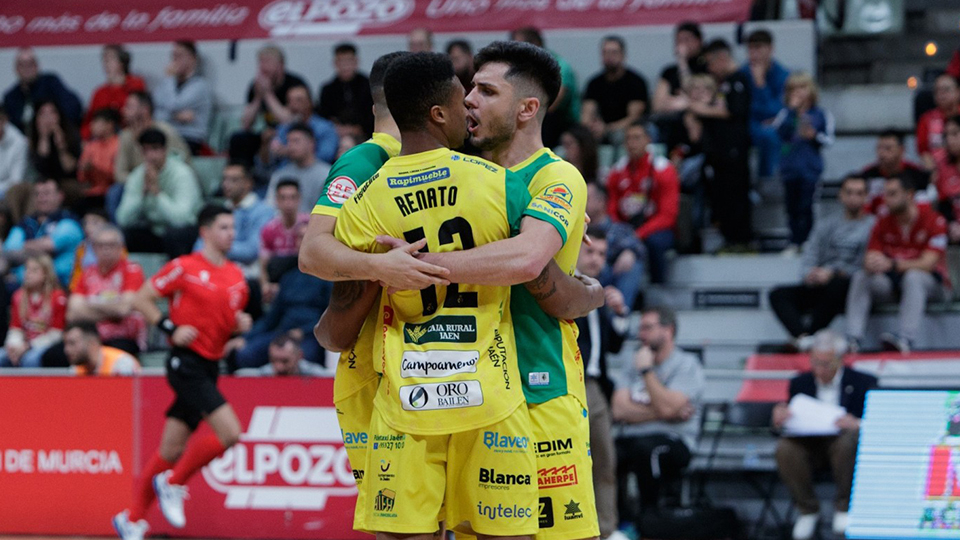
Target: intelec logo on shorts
x=500, y=511
x=289, y=458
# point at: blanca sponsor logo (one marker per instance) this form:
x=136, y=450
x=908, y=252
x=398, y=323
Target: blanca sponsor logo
x=546, y=513
x=340, y=189
x=438, y=364
x=442, y=329
x=358, y=475
x=505, y=443
x=572, y=511
x=554, y=447
x=319, y=17
x=384, y=501
x=553, y=477
x=490, y=478
x=288, y=458
x=501, y=511
x=397, y=182
x=447, y=395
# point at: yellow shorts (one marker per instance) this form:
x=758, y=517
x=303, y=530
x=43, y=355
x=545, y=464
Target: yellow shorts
x=486, y=478
x=568, y=508
x=353, y=413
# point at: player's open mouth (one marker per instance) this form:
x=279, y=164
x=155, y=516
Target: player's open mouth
x=472, y=124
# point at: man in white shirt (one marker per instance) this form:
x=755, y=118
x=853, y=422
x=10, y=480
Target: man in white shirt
x=828, y=381
x=13, y=154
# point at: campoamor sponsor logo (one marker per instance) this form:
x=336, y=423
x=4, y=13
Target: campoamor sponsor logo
x=289, y=458
x=436, y=364
x=317, y=17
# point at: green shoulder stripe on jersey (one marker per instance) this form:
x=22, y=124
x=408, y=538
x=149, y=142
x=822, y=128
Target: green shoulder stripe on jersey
x=517, y=200
x=358, y=164
x=539, y=348
x=528, y=171
x=542, y=212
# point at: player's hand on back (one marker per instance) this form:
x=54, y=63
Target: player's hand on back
x=184, y=335
x=244, y=322
x=400, y=269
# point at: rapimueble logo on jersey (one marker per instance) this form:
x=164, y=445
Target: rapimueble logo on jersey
x=442, y=329
x=341, y=189
x=439, y=396
x=289, y=457
x=553, y=477
x=410, y=180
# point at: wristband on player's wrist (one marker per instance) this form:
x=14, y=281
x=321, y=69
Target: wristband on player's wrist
x=166, y=326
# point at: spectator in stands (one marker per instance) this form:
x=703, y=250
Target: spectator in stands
x=158, y=211
x=98, y=159
x=138, y=117
x=54, y=143
x=50, y=230
x=831, y=256
x=565, y=109
x=804, y=128
x=601, y=332
x=685, y=148
x=727, y=145
x=797, y=457
x=278, y=239
x=643, y=191
x=615, y=98
x=14, y=150
x=946, y=95
x=580, y=150
x=905, y=259
x=184, y=99
x=113, y=93
x=768, y=81
x=324, y=132
x=92, y=220
x=420, y=40
x=32, y=87
x=286, y=360
x=104, y=294
x=626, y=254
x=948, y=177
x=37, y=315
x=461, y=55
x=250, y=215
x=266, y=99
x=345, y=99
x=656, y=401
x=300, y=300
x=304, y=166
x=891, y=163
x=81, y=344
x=688, y=51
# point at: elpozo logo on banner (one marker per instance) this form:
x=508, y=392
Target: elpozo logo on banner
x=296, y=18
x=290, y=458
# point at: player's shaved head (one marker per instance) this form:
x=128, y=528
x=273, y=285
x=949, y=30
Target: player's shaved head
x=378, y=73
x=415, y=83
x=532, y=70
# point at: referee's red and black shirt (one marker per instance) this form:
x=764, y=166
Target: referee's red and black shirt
x=204, y=296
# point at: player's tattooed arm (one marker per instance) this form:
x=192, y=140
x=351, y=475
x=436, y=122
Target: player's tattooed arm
x=341, y=322
x=563, y=296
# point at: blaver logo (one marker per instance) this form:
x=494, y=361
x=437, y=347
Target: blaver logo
x=289, y=458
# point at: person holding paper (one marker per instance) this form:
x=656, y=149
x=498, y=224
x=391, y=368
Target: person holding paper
x=798, y=453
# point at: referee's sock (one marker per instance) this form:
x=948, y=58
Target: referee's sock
x=201, y=451
x=144, y=494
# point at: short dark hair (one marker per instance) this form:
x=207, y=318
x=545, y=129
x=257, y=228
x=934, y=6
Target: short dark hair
x=760, y=37
x=188, y=45
x=955, y=119
x=534, y=65
x=459, y=44
x=853, y=177
x=152, y=137
x=108, y=114
x=282, y=340
x=287, y=182
x=98, y=211
x=416, y=82
x=529, y=34
x=615, y=39
x=891, y=133
x=667, y=316
x=377, y=74
x=244, y=168
x=640, y=123
x=717, y=45
x=596, y=232
x=208, y=214
x=906, y=181
x=302, y=128
x=122, y=55
x=87, y=328
x=144, y=99
x=345, y=48
x=691, y=27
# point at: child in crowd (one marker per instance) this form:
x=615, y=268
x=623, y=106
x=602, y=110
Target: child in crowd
x=804, y=129
x=37, y=315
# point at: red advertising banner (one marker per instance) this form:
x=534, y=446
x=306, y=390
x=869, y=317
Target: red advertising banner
x=72, y=22
x=67, y=450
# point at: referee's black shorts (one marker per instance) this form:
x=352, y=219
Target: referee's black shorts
x=194, y=382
